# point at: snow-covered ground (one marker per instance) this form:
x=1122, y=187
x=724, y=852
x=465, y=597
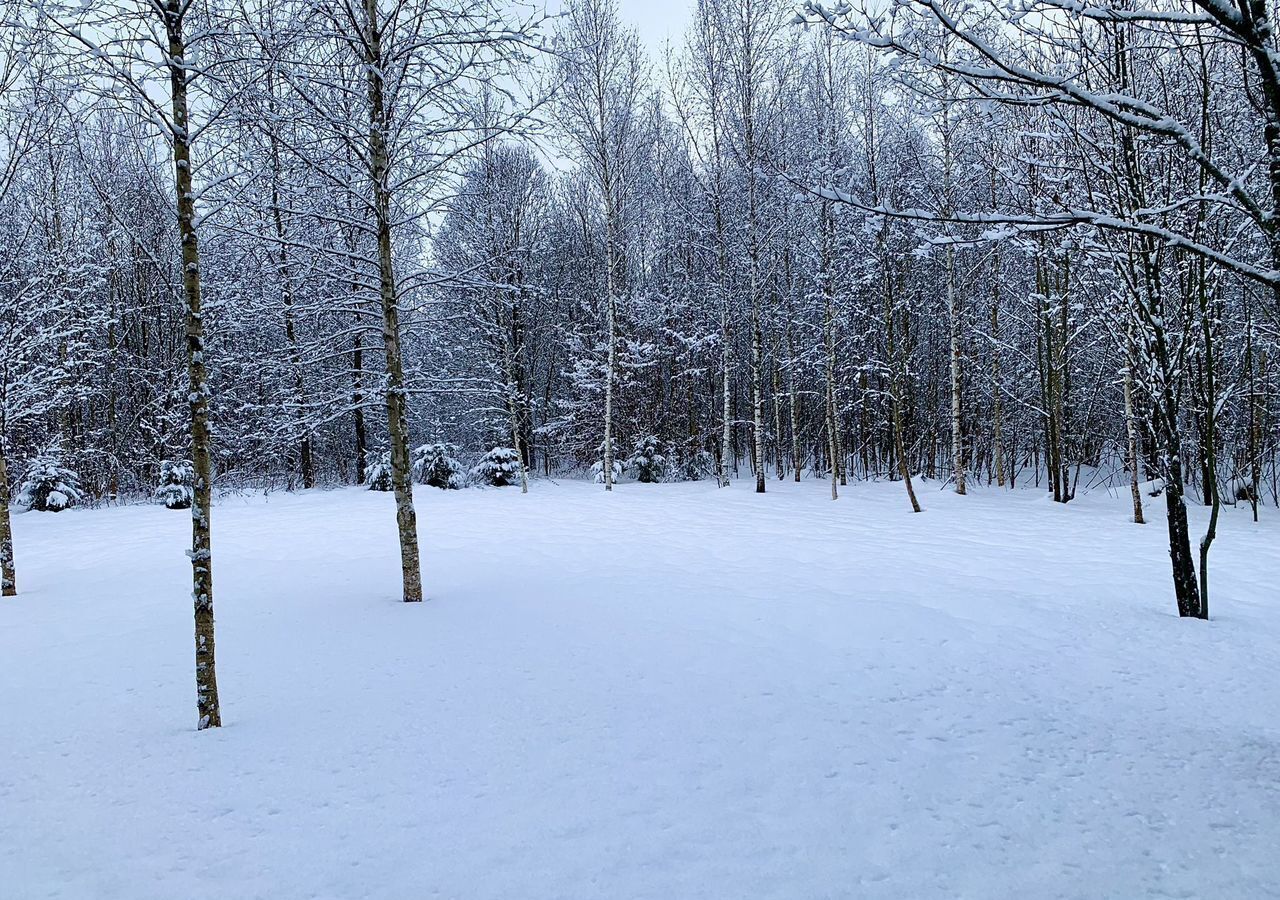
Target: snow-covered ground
x=670, y=692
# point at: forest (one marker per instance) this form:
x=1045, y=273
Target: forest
x=794, y=459
x=309, y=243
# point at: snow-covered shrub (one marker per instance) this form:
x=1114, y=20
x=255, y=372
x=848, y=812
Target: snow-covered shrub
x=698, y=466
x=648, y=461
x=48, y=486
x=378, y=473
x=435, y=465
x=177, y=480
x=597, y=471
x=500, y=467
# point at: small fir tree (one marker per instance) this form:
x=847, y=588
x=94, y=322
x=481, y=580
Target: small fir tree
x=437, y=466
x=697, y=466
x=648, y=461
x=49, y=486
x=500, y=467
x=176, y=489
x=377, y=474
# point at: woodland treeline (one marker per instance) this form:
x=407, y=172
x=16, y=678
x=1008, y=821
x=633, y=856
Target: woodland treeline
x=279, y=244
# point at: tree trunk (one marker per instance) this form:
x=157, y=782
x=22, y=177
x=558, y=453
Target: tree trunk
x=726, y=361
x=957, y=421
x=611, y=367
x=513, y=409
x=1257, y=411
x=1209, y=443
x=357, y=404
x=779, y=461
x=829, y=348
x=305, y=462
x=8, y=577
x=1186, y=592
x=832, y=439
x=1063, y=367
x=794, y=414
x=997, y=392
x=1131, y=428
x=207, y=705
x=895, y=380
x=757, y=400
x=397, y=417
x=899, y=446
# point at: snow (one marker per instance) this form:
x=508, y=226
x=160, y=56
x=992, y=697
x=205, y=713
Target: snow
x=666, y=692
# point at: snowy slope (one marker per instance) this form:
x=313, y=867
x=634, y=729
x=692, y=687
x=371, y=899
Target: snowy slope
x=670, y=692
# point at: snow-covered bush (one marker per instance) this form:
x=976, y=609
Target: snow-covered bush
x=597, y=471
x=378, y=473
x=648, y=461
x=177, y=480
x=500, y=467
x=698, y=466
x=48, y=486
x=435, y=465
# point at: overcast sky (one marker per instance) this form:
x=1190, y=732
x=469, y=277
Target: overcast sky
x=656, y=20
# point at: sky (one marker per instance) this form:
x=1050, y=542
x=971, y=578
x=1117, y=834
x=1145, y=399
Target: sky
x=653, y=20
x=656, y=20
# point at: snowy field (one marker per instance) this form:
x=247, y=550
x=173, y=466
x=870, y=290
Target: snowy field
x=670, y=692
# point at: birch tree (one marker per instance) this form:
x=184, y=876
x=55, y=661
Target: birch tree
x=603, y=77
x=150, y=50
x=413, y=71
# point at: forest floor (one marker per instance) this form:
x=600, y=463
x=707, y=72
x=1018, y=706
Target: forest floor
x=669, y=692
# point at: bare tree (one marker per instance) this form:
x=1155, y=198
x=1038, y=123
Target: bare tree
x=603, y=76
x=414, y=71
x=142, y=48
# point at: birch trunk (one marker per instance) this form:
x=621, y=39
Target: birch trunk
x=8, y=577
x=957, y=430
x=397, y=418
x=997, y=412
x=726, y=412
x=611, y=326
x=757, y=400
x=747, y=111
x=832, y=441
x=207, y=703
